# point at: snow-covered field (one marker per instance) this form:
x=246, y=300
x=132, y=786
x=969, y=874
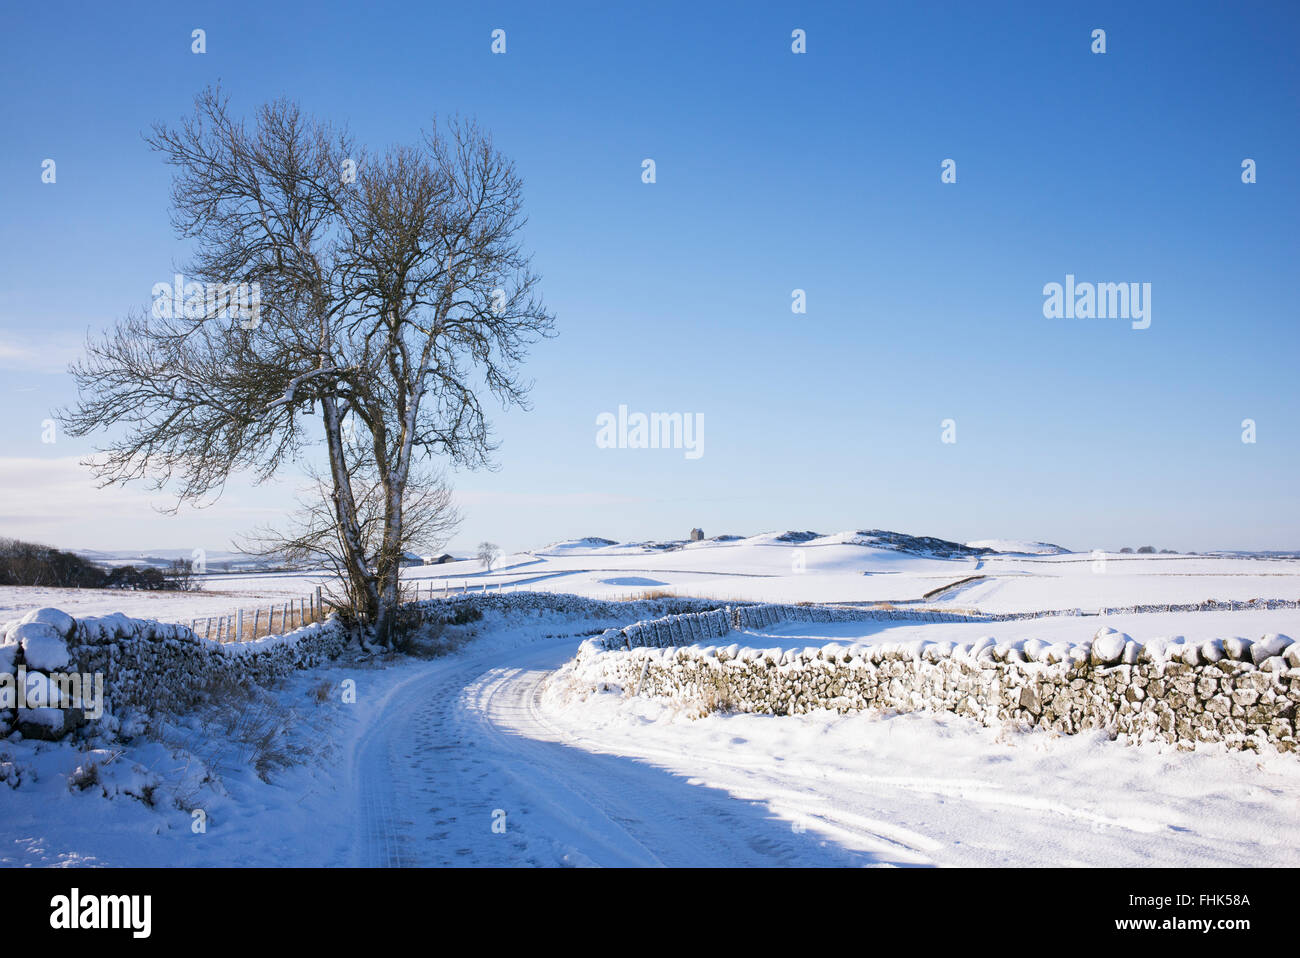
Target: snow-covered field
x=435, y=753
x=1147, y=628
x=762, y=568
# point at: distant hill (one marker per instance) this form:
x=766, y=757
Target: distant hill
x=571, y=546
x=1019, y=547
x=923, y=546
x=917, y=545
x=214, y=560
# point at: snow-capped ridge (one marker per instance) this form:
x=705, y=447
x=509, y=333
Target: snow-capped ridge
x=1019, y=547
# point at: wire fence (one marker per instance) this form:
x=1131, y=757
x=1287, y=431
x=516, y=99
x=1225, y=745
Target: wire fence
x=274, y=618
x=284, y=615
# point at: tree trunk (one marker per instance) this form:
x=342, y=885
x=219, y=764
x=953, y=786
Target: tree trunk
x=391, y=552
x=362, y=583
x=390, y=601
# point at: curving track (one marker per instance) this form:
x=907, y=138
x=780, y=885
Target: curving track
x=465, y=738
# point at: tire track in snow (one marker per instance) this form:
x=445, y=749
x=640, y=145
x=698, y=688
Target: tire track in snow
x=445, y=752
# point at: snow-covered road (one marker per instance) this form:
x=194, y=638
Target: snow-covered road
x=466, y=739
x=477, y=738
x=434, y=753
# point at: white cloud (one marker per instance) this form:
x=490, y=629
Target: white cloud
x=39, y=354
x=57, y=501
x=36, y=490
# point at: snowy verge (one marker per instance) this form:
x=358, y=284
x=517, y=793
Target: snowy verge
x=935, y=788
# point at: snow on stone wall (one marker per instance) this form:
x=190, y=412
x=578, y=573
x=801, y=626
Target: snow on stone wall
x=1233, y=691
x=760, y=616
x=1225, y=690
x=672, y=630
x=1209, y=605
x=753, y=616
x=157, y=666
x=560, y=603
x=146, y=664
x=714, y=623
x=692, y=627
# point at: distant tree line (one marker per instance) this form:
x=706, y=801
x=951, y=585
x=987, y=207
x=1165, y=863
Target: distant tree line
x=28, y=563
x=177, y=576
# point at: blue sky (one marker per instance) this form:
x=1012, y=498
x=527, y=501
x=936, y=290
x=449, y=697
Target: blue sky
x=775, y=171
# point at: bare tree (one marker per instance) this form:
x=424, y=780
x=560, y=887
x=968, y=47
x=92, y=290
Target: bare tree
x=312, y=535
x=488, y=553
x=394, y=293
x=180, y=576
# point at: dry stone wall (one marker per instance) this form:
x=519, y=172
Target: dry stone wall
x=514, y=604
x=143, y=664
x=761, y=616
x=1241, y=693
